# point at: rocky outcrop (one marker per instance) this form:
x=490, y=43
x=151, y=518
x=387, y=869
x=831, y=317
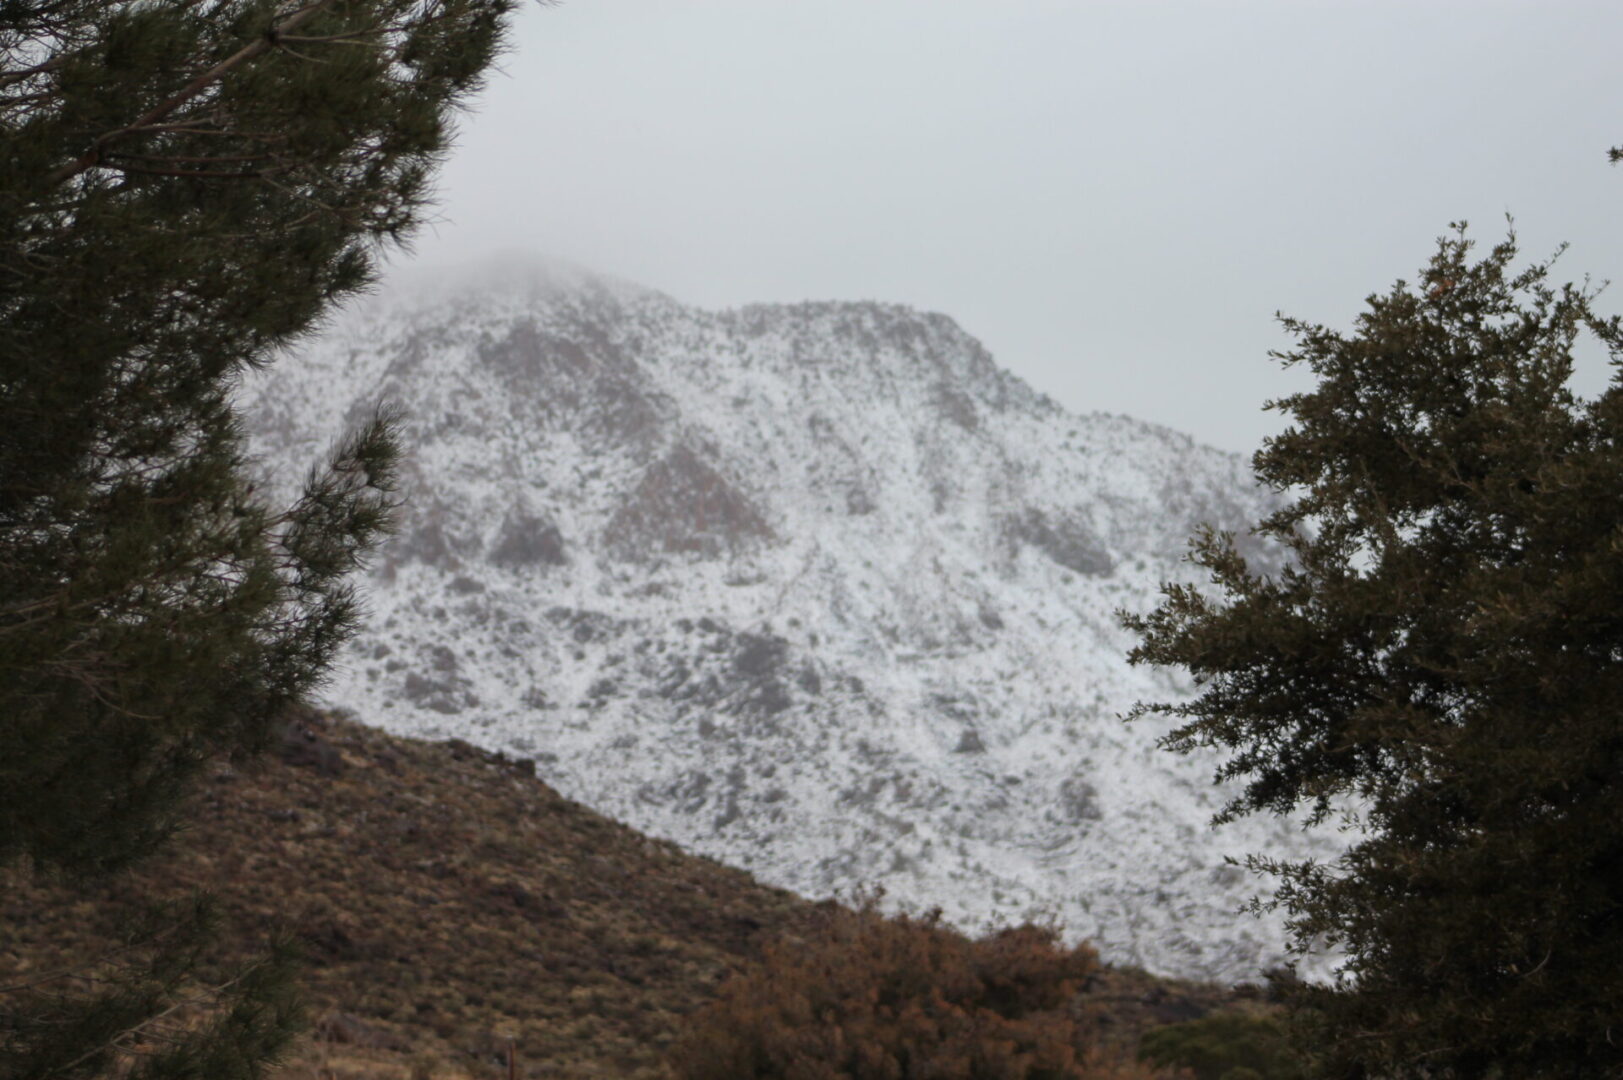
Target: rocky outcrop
x=683, y=505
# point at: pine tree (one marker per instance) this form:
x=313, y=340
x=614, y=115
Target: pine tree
x=1441, y=662
x=148, y=1014
x=186, y=188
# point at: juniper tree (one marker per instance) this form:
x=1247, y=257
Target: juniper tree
x=186, y=188
x=1441, y=662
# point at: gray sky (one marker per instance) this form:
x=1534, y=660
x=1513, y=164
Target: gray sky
x=1114, y=197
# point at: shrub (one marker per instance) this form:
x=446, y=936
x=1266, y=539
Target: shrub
x=1223, y=1046
x=894, y=998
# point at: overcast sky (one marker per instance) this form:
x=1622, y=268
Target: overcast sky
x=1114, y=197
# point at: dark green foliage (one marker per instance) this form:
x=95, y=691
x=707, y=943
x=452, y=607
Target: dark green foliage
x=149, y=1014
x=875, y=998
x=1442, y=659
x=186, y=187
x=1223, y=1046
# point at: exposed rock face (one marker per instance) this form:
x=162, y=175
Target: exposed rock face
x=527, y=542
x=816, y=589
x=1066, y=540
x=682, y=505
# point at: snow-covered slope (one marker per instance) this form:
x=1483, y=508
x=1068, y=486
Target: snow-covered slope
x=816, y=589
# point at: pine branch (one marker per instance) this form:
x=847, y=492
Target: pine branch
x=93, y=157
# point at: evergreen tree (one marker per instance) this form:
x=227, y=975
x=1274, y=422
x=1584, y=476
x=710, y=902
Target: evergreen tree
x=149, y=1015
x=187, y=187
x=1441, y=662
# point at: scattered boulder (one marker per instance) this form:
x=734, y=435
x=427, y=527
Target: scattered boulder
x=1066, y=541
x=970, y=743
x=1079, y=800
x=759, y=655
x=328, y=942
x=956, y=406
x=348, y=1029
x=683, y=504
x=301, y=744
x=527, y=542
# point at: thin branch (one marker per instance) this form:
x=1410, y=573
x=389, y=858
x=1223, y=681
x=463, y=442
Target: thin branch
x=138, y=1028
x=211, y=174
x=10, y=77
x=214, y=159
x=311, y=39
x=283, y=46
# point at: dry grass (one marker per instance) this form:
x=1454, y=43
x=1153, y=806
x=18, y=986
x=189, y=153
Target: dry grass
x=450, y=902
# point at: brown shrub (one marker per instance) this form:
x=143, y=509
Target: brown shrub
x=866, y=997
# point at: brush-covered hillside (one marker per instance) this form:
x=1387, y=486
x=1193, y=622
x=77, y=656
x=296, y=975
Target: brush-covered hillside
x=450, y=904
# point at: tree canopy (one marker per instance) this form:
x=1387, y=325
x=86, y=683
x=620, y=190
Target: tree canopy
x=1440, y=663
x=187, y=187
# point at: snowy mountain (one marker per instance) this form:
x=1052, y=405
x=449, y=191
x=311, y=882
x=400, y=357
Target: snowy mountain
x=816, y=589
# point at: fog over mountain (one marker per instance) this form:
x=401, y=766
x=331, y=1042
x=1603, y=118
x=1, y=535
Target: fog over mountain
x=817, y=589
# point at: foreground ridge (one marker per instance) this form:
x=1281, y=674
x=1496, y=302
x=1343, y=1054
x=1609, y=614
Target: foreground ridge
x=447, y=902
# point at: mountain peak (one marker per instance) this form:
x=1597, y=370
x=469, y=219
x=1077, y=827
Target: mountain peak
x=815, y=588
